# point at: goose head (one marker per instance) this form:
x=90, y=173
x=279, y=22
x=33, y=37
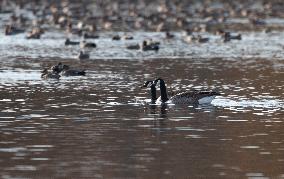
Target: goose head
x=152, y=86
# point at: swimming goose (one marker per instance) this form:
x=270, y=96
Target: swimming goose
x=45, y=74
x=189, y=97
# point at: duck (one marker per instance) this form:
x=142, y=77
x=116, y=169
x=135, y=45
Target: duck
x=69, y=42
x=152, y=42
x=146, y=46
x=116, y=37
x=84, y=44
x=35, y=33
x=127, y=37
x=70, y=72
x=90, y=36
x=82, y=55
x=45, y=74
x=58, y=68
x=228, y=37
x=190, y=38
x=189, y=97
x=134, y=47
x=169, y=35
x=11, y=30
x=201, y=39
x=153, y=91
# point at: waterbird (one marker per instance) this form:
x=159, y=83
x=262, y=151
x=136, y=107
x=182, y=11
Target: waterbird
x=116, y=37
x=69, y=42
x=45, y=74
x=169, y=35
x=134, y=47
x=227, y=36
x=82, y=55
x=84, y=44
x=201, y=39
x=71, y=72
x=11, y=30
x=58, y=68
x=146, y=46
x=189, y=97
x=127, y=37
x=35, y=33
x=90, y=36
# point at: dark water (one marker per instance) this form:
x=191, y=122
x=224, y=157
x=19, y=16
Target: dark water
x=96, y=126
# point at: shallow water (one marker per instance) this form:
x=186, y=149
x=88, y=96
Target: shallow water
x=97, y=126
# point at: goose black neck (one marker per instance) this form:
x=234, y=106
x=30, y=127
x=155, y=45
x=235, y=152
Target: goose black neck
x=153, y=93
x=163, y=89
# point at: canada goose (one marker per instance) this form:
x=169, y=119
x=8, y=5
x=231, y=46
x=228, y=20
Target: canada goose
x=189, y=97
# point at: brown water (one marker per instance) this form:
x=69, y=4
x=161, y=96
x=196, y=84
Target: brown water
x=97, y=126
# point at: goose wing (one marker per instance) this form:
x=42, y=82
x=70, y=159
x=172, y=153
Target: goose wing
x=192, y=96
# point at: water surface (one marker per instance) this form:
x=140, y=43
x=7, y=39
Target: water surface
x=97, y=126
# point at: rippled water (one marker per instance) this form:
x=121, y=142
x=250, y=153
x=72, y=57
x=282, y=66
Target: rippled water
x=96, y=126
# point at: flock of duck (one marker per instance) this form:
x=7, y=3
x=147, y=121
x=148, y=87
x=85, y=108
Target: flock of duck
x=56, y=71
x=86, y=19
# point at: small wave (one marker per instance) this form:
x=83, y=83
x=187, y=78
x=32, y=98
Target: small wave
x=265, y=103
